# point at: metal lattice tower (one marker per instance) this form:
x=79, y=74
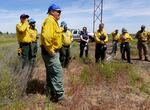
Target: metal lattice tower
x=98, y=13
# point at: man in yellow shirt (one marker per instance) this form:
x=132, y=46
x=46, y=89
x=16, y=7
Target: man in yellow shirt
x=23, y=37
x=67, y=39
x=34, y=35
x=101, y=39
x=125, y=40
x=115, y=38
x=142, y=37
x=51, y=42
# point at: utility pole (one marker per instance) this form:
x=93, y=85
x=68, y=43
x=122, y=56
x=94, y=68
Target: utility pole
x=98, y=13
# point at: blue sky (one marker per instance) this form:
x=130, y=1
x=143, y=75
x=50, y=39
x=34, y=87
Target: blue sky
x=78, y=13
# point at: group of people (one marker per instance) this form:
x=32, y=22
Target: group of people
x=142, y=37
x=101, y=39
x=55, y=46
x=27, y=36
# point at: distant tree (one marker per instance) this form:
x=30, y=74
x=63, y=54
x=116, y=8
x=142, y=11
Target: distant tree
x=1, y=33
x=7, y=33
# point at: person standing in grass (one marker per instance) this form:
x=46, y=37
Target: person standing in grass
x=125, y=40
x=143, y=36
x=67, y=39
x=34, y=35
x=24, y=39
x=84, y=39
x=101, y=39
x=115, y=38
x=51, y=42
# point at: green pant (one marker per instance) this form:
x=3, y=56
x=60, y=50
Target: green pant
x=26, y=53
x=34, y=49
x=142, y=46
x=65, y=56
x=54, y=75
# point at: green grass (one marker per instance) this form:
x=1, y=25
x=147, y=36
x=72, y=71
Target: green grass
x=106, y=70
x=8, y=61
x=74, y=49
x=17, y=105
x=145, y=87
x=4, y=83
x=49, y=105
x=109, y=70
x=134, y=74
x=89, y=74
x=10, y=94
x=85, y=76
x=134, y=42
x=7, y=40
x=8, y=85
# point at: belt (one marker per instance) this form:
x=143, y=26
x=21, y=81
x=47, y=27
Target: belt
x=24, y=43
x=45, y=51
x=34, y=42
x=57, y=50
x=125, y=43
x=66, y=46
x=115, y=40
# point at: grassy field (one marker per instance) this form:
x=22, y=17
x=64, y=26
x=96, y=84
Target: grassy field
x=88, y=86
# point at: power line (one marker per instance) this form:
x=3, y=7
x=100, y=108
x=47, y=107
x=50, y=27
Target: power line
x=98, y=13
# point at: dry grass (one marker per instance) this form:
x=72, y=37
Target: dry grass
x=90, y=86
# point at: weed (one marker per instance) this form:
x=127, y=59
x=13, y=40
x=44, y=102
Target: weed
x=84, y=76
x=74, y=79
x=73, y=50
x=133, y=74
x=18, y=104
x=106, y=70
x=49, y=105
x=4, y=83
x=145, y=88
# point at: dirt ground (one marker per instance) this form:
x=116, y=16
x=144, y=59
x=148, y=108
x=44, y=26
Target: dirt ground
x=103, y=95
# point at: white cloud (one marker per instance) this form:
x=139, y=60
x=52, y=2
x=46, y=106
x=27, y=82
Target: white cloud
x=9, y=19
x=77, y=11
x=80, y=13
x=77, y=16
x=129, y=8
x=130, y=14
x=73, y=15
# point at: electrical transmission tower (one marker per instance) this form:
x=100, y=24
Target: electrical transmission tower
x=98, y=13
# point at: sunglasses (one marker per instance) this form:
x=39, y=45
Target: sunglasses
x=58, y=11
